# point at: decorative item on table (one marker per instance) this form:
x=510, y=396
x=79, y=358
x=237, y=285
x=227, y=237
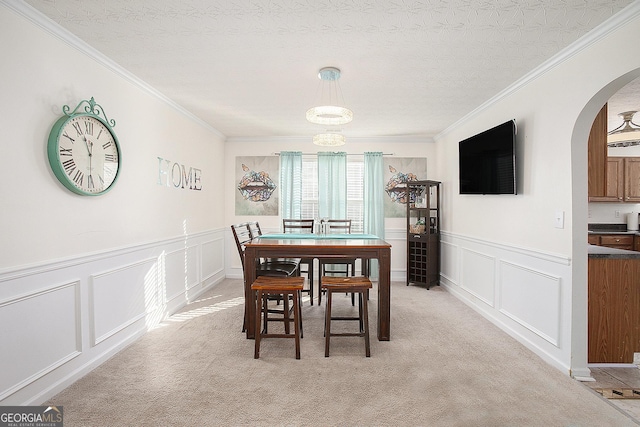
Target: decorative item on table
x=418, y=227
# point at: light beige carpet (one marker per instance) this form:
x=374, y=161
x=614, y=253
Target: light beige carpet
x=444, y=366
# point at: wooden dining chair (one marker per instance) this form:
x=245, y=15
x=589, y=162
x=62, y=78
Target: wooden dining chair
x=256, y=231
x=302, y=226
x=336, y=266
x=272, y=268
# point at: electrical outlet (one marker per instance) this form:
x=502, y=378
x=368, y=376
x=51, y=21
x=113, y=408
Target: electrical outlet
x=636, y=358
x=617, y=214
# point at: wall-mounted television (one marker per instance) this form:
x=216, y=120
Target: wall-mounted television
x=488, y=161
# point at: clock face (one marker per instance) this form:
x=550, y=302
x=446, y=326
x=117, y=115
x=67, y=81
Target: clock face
x=84, y=154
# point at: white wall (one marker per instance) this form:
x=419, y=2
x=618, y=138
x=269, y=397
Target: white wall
x=503, y=255
x=395, y=228
x=80, y=277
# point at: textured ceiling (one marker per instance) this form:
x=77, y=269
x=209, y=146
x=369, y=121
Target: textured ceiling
x=409, y=67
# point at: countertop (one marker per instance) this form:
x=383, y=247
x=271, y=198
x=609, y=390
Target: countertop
x=612, y=253
x=631, y=232
x=611, y=229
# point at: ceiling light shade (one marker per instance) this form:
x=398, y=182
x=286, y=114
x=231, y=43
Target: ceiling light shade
x=331, y=110
x=329, y=139
x=625, y=135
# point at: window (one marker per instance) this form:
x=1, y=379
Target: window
x=355, y=190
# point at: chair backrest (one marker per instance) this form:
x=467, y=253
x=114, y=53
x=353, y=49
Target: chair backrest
x=304, y=226
x=338, y=226
x=254, y=229
x=242, y=235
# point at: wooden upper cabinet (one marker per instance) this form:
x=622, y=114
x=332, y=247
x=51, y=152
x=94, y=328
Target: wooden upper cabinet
x=597, y=152
x=614, y=188
x=632, y=179
x=623, y=181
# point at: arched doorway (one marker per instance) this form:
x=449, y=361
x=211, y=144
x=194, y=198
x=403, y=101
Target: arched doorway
x=580, y=220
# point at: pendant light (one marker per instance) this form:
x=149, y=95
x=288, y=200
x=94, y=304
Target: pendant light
x=625, y=135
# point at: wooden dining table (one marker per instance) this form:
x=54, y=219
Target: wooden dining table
x=361, y=246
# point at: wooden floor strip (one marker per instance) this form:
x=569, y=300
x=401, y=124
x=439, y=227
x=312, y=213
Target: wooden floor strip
x=619, y=393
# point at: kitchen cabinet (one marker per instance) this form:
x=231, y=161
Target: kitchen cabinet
x=597, y=155
x=611, y=179
x=423, y=233
x=617, y=241
x=623, y=181
x=614, y=187
x=632, y=179
x=614, y=310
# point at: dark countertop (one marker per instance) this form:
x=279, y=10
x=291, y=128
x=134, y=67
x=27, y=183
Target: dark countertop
x=595, y=228
x=612, y=253
x=610, y=229
x=631, y=232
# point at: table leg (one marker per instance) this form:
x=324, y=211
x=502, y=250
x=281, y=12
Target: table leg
x=384, y=294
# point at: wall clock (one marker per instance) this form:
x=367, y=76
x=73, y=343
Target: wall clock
x=83, y=150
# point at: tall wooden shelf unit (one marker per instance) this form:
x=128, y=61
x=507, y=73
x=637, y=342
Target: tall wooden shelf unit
x=423, y=243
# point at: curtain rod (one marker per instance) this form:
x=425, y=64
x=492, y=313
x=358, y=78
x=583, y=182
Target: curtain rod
x=348, y=154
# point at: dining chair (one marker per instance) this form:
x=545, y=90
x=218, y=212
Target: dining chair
x=256, y=231
x=272, y=268
x=336, y=266
x=302, y=226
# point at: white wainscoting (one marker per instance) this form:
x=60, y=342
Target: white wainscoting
x=62, y=319
x=524, y=292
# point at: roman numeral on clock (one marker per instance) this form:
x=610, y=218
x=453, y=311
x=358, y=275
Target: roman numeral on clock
x=65, y=151
x=78, y=178
x=77, y=127
x=69, y=166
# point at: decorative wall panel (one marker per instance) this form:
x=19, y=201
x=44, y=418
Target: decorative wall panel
x=121, y=296
x=478, y=275
x=182, y=272
x=532, y=298
x=40, y=331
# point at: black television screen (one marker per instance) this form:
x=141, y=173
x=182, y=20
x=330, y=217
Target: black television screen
x=488, y=161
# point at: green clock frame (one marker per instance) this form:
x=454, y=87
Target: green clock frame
x=83, y=150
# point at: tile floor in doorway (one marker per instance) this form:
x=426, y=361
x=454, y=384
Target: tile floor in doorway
x=618, y=378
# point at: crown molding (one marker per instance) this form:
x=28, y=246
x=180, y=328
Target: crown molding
x=616, y=21
x=28, y=12
x=350, y=139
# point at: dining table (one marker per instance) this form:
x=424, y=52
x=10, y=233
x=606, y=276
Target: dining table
x=312, y=245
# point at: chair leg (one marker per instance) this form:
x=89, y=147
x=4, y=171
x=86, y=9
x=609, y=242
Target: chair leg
x=298, y=296
x=287, y=328
x=327, y=324
x=296, y=316
x=264, y=302
x=360, y=320
x=310, y=276
x=365, y=310
x=259, y=302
